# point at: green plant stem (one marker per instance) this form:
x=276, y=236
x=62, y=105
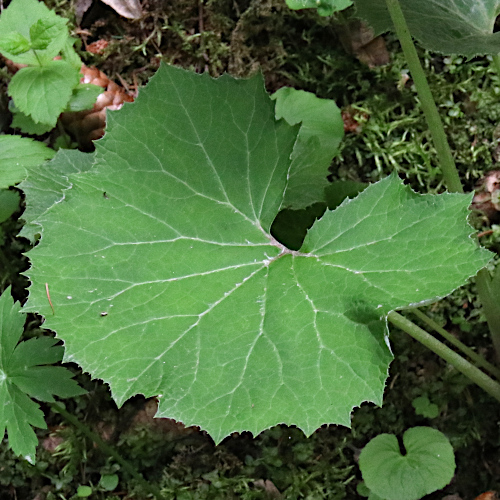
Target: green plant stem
x=127, y=466
x=478, y=360
x=491, y=309
x=496, y=63
x=429, y=107
x=459, y=363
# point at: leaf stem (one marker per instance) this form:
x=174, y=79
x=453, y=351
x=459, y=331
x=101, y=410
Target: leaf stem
x=496, y=63
x=446, y=161
x=479, y=360
x=127, y=466
x=469, y=370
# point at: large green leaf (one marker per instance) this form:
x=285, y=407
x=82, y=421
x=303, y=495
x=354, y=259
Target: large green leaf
x=446, y=26
x=166, y=281
x=324, y=7
x=24, y=374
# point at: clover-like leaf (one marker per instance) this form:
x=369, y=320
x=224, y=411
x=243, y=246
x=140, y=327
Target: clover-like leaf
x=19, y=17
x=319, y=137
x=18, y=154
x=25, y=374
x=446, y=26
x=43, y=92
x=324, y=7
x=427, y=466
x=166, y=281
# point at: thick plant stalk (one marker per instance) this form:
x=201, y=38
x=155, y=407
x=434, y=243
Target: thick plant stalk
x=476, y=358
x=106, y=448
x=446, y=162
x=444, y=352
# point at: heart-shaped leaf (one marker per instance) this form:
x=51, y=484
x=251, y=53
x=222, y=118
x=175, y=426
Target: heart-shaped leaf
x=427, y=466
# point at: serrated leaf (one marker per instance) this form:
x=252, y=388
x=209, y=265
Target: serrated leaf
x=324, y=7
x=43, y=92
x=19, y=16
x=166, y=281
x=22, y=375
x=47, y=184
x=47, y=31
x=319, y=137
x=19, y=154
x=83, y=97
x=427, y=466
x=14, y=43
x=26, y=124
x=444, y=26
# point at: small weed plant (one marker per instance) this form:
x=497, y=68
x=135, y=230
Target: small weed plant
x=200, y=255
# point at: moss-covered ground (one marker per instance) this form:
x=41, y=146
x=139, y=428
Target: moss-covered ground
x=306, y=51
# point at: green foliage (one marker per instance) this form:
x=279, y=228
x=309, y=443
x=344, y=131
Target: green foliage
x=165, y=242
x=318, y=141
x=427, y=465
x=26, y=375
x=324, y=7
x=444, y=26
x=32, y=34
x=18, y=155
x=424, y=407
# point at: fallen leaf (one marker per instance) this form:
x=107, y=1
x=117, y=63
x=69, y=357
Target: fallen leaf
x=131, y=9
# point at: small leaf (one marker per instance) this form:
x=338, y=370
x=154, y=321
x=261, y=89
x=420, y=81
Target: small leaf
x=444, y=26
x=14, y=43
x=319, y=136
x=109, y=482
x=46, y=31
x=424, y=407
x=427, y=466
x=43, y=92
x=19, y=154
x=84, y=97
x=19, y=16
x=84, y=491
x=325, y=7
x=22, y=375
x=27, y=125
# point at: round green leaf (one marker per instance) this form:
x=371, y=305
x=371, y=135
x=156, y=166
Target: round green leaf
x=109, y=481
x=325, y=7
x=166, y=281
x=84, y=491
x=427, y=466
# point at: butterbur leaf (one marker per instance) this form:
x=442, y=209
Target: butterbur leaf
x=166, y=281
x=19, y=154
x=320, y=133
x=43, y=92
x=9, y=203
x=444, y=26
x=19, y=17
x=48, y=30
x=22, y=376
x=47, y=185
x=14, y=43
x=324, y=7
x=427, y=466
